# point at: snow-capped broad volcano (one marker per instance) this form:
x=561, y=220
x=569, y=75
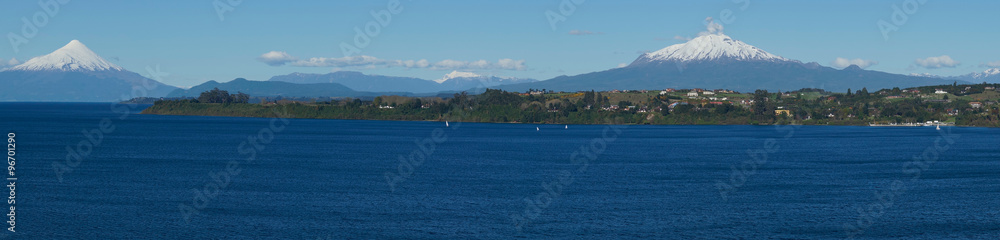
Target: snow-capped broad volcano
x=714, y=60
x=709, y=47
x=74, y=57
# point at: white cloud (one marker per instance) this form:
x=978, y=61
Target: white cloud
x=621, y=65
x=352, y=61
x=511, y=64
x=583, y=32
x=502, y=64
x=423, y=63
x=944, y=61
x=844, y=63
x=991, y=64
x=11, y=63
x=276, y=58
x=711, y=27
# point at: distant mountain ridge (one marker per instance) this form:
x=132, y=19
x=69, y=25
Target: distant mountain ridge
x=453, y=82
x=74, y=73
x=279, y=88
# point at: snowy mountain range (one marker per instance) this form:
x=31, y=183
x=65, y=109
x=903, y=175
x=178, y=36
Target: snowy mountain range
x=991, y=75
x=460, y=81
x=74, y=73
x=717, y=61
x=456, y=75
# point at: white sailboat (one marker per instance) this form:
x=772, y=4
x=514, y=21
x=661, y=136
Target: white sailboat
x=446, y=124
x=536, y=129
x=567, y=126
x=939, y=127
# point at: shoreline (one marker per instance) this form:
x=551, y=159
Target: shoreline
x=556, y=124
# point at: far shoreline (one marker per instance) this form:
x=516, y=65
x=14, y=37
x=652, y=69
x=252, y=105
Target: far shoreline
x=557, y=124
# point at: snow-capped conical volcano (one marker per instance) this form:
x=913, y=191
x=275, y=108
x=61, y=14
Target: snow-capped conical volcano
x=709, y=47
x=74, y=57
x=73, y=73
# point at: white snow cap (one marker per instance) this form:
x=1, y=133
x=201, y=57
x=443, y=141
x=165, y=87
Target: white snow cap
x=74, y=57
x=457, y=74
x=712, y=46
x=987, y=73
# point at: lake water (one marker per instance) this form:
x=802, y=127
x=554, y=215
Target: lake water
x=189, y=177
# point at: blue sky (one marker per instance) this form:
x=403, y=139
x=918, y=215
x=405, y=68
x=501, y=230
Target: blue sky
x=188, y=40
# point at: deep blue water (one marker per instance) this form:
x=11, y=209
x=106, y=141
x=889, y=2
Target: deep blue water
x=326, y=179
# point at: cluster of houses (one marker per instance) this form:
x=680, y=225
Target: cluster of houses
x=633, y=107
x=699, y=93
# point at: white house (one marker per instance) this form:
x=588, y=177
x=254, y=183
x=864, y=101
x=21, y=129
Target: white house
x=940, y=91
x=692, y=94
x=708, y=93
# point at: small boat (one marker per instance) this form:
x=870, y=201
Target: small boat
x=446, y=124
x=567, y=126
x=536, y=129
x=938, y=127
